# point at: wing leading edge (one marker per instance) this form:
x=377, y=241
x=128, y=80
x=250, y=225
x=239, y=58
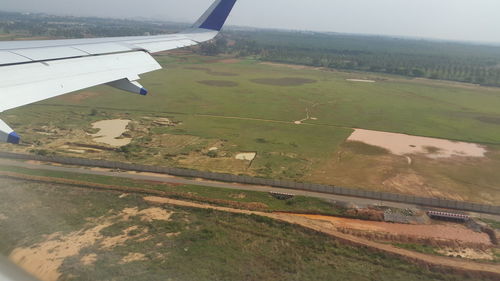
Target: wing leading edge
x=32, y=71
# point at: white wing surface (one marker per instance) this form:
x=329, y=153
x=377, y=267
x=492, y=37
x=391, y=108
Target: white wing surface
x=32, y=71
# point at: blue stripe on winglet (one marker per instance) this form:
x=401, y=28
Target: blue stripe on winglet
x=218, y=17
x=13, y=138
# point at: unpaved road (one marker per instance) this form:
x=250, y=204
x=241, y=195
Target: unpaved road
x=179, y=180
x=361, y=202
x=445, y=231
x=492, y=270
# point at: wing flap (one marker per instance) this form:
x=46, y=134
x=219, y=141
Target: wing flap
x=11, y=58
x=103, y=48
x=38, y=54
x=33, y=82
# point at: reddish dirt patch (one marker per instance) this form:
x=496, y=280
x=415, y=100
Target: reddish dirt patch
x=450, y=231
x=229, y=61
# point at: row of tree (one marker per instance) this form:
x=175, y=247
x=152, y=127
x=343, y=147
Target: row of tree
x=414, y=58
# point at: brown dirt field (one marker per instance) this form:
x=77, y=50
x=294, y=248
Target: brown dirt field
x=442, y=231
x=218, y=83
x=229, y=61
x=440, y=263
x=286, y=81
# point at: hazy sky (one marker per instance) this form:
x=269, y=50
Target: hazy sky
x=470, y=20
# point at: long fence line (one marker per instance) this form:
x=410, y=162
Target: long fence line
x=384, y=196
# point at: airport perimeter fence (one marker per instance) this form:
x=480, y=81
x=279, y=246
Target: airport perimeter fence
x=337, y=190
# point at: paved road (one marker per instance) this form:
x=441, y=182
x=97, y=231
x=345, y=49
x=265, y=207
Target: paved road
x=361, y=202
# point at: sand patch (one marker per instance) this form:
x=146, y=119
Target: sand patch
x=287, y=81
x=44, y=259
x=127, y=234
x=110, y=130
x=77, y=151
x=247, y=156
x=401, y=144
x=467, y=253
x=361, y=80
x=3, y=217
x=147, y=215
x=219, y=83
x=133, y=257
x=88, y=259
x=238, y=196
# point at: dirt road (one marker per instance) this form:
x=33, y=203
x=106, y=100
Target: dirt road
x=178, y=180
x=484, y=269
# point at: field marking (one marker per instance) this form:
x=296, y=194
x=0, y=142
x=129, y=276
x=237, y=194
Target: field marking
x=270, y=121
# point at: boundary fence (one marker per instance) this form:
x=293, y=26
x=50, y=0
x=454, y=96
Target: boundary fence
x=384, y=196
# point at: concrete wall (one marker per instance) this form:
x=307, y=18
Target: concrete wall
x=401, y=198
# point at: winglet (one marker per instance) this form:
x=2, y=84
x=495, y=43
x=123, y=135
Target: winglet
x=7, y=134
x=13, y=138
x=215, y=17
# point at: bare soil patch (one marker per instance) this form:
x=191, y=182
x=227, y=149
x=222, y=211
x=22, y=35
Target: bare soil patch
x=453, y=232
x=89, y=259
x=110, y=130
x=287, y=81
x=401, y=144
x=326, y=227
x=246, y=156
x=467, y=253
x=229, y=61
x=44, y=259
x=219, y=83
x=133, y=257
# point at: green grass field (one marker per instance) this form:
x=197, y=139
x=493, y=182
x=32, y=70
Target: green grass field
x=246, y=106
x=192, y=245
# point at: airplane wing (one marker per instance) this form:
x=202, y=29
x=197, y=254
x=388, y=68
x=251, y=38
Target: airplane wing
x=32, y=71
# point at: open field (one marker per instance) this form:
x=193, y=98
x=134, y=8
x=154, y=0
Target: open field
x=258, y=116
x=84, y=234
